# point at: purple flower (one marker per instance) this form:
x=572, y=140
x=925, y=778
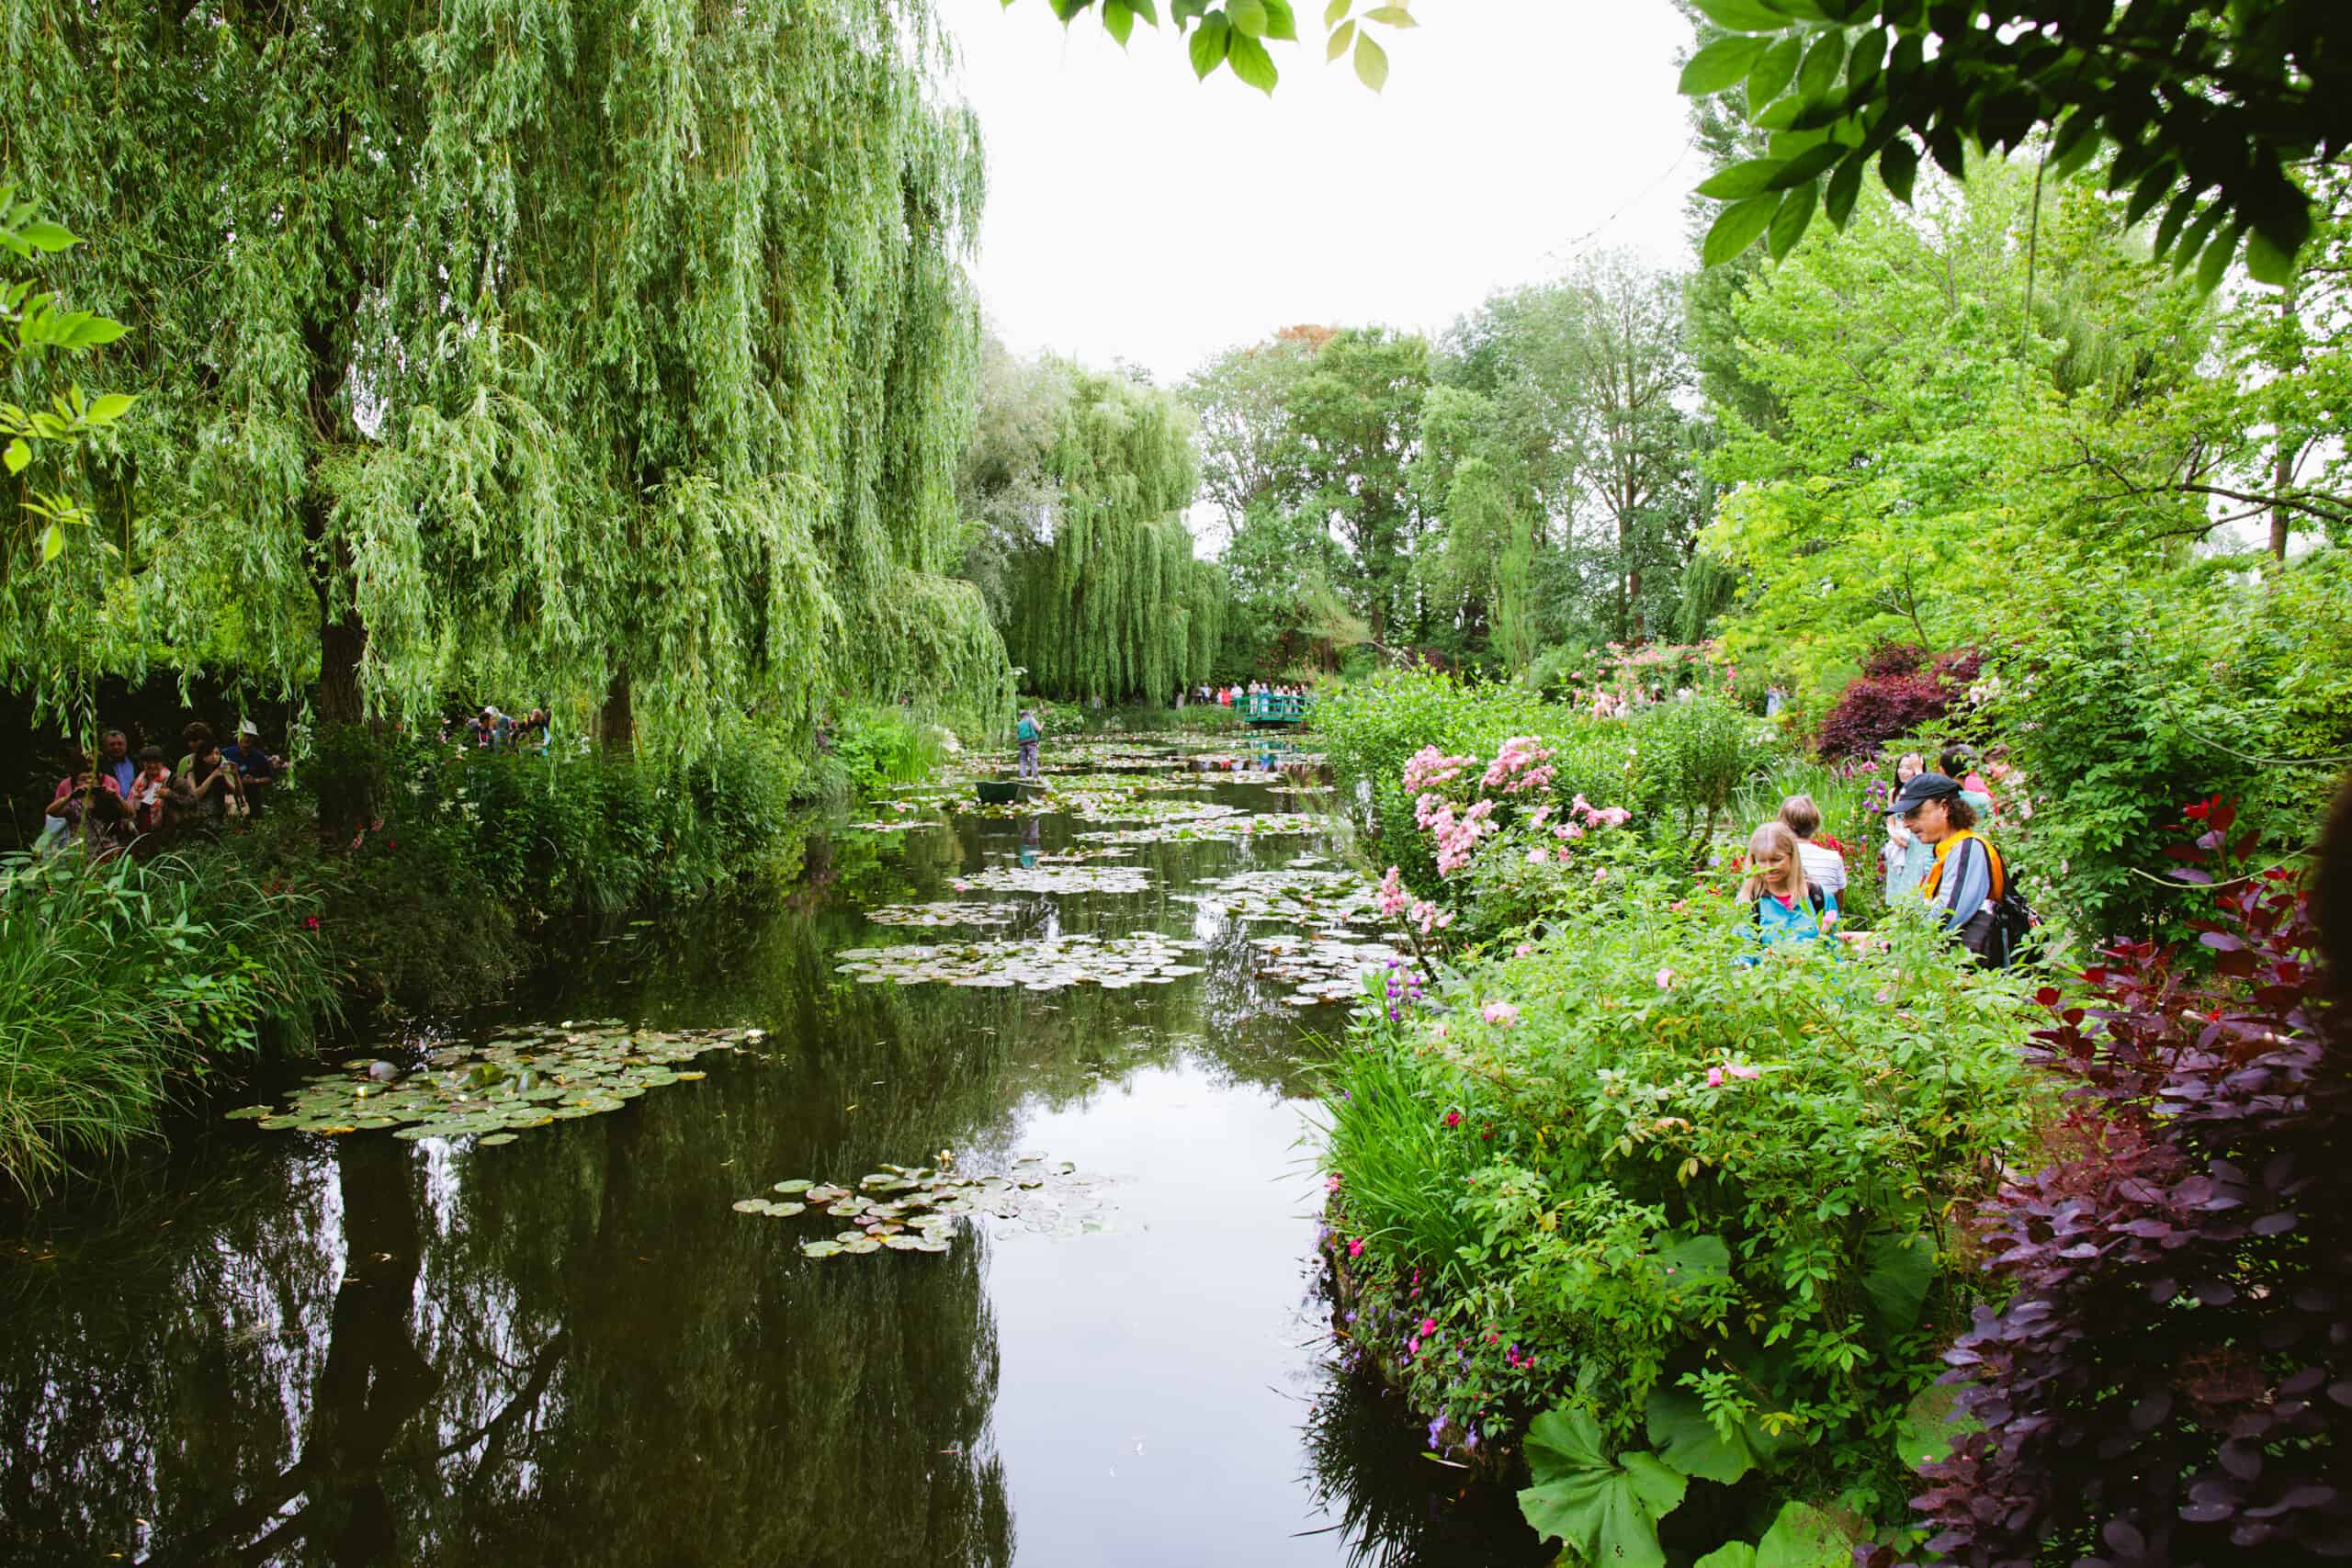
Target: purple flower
x=1437, y=1429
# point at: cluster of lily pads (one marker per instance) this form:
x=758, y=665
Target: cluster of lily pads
x=1054, y=879
x=1291, y=896
x=531, y=1077
x=916, y=1207
x=1321, y=969
x=1047, y=964
x=899, y=825
x=1216, y=830
x=945, y=913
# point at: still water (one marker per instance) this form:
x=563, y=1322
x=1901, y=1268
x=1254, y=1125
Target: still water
x=285, y=1347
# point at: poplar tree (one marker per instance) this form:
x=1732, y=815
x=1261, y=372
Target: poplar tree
x=614, y=351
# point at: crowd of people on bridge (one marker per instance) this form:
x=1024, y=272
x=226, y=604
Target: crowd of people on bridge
x=1227, y=696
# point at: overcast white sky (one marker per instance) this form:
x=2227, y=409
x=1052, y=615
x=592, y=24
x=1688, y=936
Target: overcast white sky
x=1135, y=212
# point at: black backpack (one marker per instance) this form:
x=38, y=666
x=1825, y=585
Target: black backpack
x=2013, y=918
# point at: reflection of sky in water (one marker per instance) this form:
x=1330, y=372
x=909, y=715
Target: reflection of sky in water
x=570, y=1350
x=1148, y=1406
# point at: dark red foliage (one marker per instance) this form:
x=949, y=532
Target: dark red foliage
x=1893, y=659
x=1957, y=670
x=1874, y=710
x=2172, y=1381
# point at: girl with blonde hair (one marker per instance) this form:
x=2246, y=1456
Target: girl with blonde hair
x=1789, y=906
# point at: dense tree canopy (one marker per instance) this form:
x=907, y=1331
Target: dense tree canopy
x=615, y=353
x=1074, y=490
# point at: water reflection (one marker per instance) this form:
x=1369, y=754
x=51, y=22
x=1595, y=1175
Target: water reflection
x=570, y=1349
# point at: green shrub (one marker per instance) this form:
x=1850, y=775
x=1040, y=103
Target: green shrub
x=1669, y=1173
x=1691, y=756
x=123, y=984
x=882, y=746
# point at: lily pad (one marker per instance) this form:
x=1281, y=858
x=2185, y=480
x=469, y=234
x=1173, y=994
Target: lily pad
x=1054, y=879
x=1046, y=964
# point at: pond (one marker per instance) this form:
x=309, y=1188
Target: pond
x=510, y=1319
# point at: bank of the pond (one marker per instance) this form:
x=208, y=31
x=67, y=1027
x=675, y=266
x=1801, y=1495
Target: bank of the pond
x=135, y=983
x=565, y=1338
x=1693, y=1219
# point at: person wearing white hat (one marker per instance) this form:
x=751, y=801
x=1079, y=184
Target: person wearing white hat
x=257, y=769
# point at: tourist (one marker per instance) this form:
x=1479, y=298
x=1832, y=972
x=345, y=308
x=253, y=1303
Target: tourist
x=1958, y=763
x=1904, y=857
x=1965, y=879
x=149, y=786
x=87, y=802
x=114, y=762
x=210, y=789
x=257, y=769
x=1026, y=734
x=195, y=735
x=1823, y=865
x=1774, y=700
x=1790, y=906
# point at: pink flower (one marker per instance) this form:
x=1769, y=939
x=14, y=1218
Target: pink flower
x=1355, y=1247
x=1566, y=853
x=1665, y=979
x=1331, y=1182
x=1522, y=950
x=1739, y=1070
x=1714, y=1078
x=1429, y=1327
x=1412, y=1349
x=1502, y=1015
x=1437, y=1032
x=1600, y=876
x=1536, y=856
x=1393, y=896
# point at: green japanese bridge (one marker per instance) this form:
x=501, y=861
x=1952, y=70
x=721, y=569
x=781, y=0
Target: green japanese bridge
x=1272, y=707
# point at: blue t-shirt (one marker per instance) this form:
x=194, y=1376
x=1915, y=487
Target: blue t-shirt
x=1778, y=922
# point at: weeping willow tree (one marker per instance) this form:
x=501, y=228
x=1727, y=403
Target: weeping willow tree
x=1108, y=602
x=614, y=352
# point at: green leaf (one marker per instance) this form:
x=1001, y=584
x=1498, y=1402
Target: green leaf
x=1791, y=221
x=19, y=456
x=1252, y=64
x=2216, y=260
x=1394, y=16
x=1246, y=16
x=1735, y=1554
x=1738, y=227
x=1898, y=165
x=1844, y=186
x=52, y=544
x=1371, y=62
x=43, y=235
x=1780, y=114
x=1807, y=166
x=1805, y=1537
x=1720, y=65
x=1775, y=69
x=1281, y=23
x=1208, y=44
x=1898, y=1269
x=1606, y=1509
x=1118, y=20
x=1334, y=11
x=1741, y=180
x=2267, y=262
x=1929, y=1424
x=1742, y=16
x=1685, y=1439
x=1822, y=63
x=1343, y=36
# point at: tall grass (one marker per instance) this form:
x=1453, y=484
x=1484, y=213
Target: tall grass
x=122, y=984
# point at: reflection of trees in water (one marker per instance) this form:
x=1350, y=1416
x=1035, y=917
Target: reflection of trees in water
x=572, y=1348
x=1396, y=1509
x=576, y=1353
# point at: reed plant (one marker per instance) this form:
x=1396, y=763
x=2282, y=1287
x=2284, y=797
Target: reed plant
x=124, y=984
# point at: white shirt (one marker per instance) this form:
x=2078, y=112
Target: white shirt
x=1825, y=868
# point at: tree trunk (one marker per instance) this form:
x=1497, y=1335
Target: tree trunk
x=617, y=721
x=2282, y=474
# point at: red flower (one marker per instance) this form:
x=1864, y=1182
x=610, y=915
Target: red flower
x=310, y=922
x=1453, y=1118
